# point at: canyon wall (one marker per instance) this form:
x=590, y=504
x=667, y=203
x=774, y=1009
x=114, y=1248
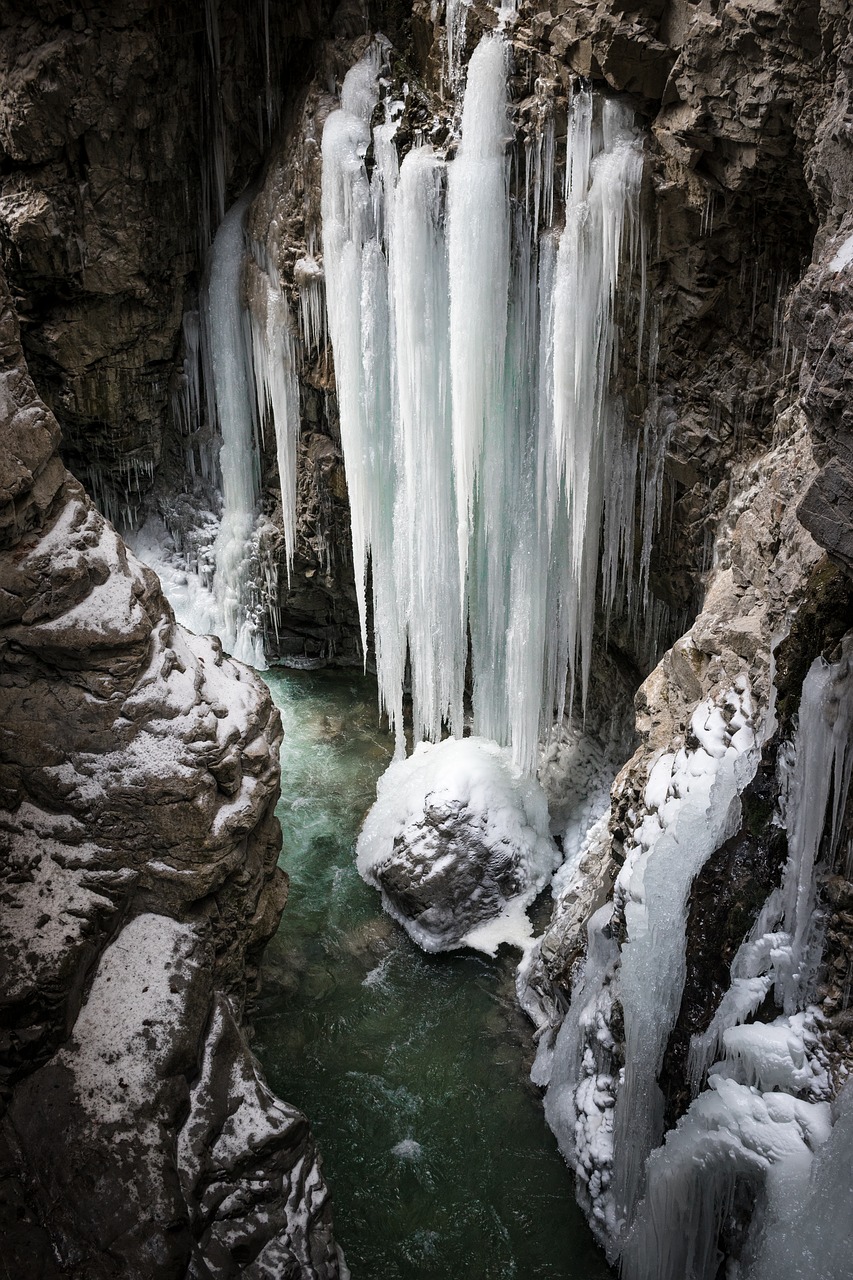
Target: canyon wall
x=124, y=137
x=139, y=876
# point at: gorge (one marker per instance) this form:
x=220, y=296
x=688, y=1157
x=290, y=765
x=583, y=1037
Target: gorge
x=500, y=351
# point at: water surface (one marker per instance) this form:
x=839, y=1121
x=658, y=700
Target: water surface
x=412, y=1068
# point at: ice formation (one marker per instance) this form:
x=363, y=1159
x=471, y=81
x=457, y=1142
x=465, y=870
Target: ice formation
x=238, y=459
x=691, y=805
x=458, y=842
x=761, y=1123
x=240, y=371
x=474, y=348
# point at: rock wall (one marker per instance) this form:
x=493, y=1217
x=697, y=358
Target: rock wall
x=139, y=884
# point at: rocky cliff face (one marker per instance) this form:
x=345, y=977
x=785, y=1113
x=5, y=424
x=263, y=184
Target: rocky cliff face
x=139, y=884
x=742, y=397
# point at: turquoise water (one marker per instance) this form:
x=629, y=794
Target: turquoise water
x=412, y=1068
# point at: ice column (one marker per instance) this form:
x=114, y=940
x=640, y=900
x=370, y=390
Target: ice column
x=361, y=332
x=228, y=361
x=276, y=382
x=478, y=257
x=602, y=192
x=425, y=515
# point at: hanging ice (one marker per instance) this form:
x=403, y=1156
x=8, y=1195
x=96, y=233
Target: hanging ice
x=475, y=459
x=762, y=1121
x=478, y=258
x=425, y=513
x=276, y=384
x=238, y=459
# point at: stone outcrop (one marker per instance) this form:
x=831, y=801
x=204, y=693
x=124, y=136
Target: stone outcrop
x=139, y=883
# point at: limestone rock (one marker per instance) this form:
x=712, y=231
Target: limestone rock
x=138, y=882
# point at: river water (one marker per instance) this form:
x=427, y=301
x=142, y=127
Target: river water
x=412, y=1068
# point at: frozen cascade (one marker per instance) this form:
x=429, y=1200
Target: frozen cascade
x=691, y=806
x=276, y=383
x=238, y=459
x=460, y=429
x=763, y=1120
x=247, y=361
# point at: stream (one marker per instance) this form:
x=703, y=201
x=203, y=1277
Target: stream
x=412, y=1068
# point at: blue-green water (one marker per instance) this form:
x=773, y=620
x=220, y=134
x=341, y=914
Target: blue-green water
x=412, y=1068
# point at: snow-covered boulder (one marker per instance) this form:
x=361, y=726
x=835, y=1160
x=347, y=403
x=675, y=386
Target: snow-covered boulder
x=458, y=842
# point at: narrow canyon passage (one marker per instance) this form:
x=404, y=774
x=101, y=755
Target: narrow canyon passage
x=412, y=1067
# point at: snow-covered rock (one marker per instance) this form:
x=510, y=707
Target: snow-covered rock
x=458, y=842
x=138, y=884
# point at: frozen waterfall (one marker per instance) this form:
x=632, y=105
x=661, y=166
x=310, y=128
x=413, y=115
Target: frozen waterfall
x=474, y=351
x=238, y=459
x=247, y=357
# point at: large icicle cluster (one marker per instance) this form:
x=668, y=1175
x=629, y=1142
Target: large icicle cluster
x=474, y=348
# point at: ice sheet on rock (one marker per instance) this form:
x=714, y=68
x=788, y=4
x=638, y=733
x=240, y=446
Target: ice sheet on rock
x=184, y=587
x=580, y=1097
x=843, y=256
x=731, y=1134
x=697, y=812
x=691, y=806
x=814, y=1233
x=761, y=1117
x=458, y=841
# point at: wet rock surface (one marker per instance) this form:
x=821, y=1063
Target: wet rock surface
x=139, y=884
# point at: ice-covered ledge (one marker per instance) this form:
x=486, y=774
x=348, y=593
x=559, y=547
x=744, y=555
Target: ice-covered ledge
x=139, y=881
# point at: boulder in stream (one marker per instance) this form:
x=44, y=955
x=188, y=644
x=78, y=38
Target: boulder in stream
x=458, y=842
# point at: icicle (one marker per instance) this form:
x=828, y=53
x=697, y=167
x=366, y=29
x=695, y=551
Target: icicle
x=478, y=254
x=229, y=379
x=360, y=328
x=817, y=794
x=310, y=281
x=347, y=227
x=601, y=193
x=456, y=18
x=426, y=511
x=276, y=384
